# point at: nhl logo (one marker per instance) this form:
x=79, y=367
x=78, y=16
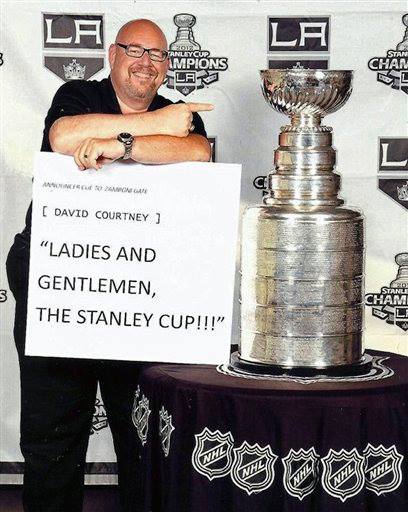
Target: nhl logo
x=140, y=416
x=253, y=467
x=343, y=473
x=301, y=472
x=382, y=468
x=212, y=455
x=165, y=430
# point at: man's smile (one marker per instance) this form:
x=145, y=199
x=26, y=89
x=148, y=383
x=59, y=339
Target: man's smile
x=144, y=74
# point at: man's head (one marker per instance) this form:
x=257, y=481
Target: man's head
x=136, y=80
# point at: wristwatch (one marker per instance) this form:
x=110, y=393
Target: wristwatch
x=127, y=140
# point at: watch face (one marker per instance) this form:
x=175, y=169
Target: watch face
x=125, y=137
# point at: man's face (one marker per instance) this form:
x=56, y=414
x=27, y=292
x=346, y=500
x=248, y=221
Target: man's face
x=138, y=78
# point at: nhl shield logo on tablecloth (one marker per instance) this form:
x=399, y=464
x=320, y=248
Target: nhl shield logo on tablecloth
x=382, y=468
x=165, y=430
x=343, y=473
x=212, y=455
x=301, y=472
x=140, y=416
x=253, y=467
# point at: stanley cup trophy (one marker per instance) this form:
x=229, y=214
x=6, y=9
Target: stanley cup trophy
x=302, y=253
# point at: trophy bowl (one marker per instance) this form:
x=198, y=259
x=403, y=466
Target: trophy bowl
x=306, y=92
x=184, y=20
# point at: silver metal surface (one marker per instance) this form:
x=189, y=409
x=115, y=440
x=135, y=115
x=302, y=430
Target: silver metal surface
x=302, y=253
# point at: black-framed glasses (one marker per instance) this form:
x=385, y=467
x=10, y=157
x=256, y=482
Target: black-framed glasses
x=137, y=51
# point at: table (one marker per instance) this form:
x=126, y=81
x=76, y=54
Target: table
x=213, y=442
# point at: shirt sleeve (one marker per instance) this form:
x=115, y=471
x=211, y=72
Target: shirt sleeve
x=198, y=125
x=71, y=99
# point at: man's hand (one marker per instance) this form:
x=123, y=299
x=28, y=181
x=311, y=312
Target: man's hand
x=94, y=153
x=176, y=120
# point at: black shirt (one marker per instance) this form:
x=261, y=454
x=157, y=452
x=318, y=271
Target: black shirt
x=72, y=98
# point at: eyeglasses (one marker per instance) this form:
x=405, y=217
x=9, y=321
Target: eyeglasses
x=136, y=51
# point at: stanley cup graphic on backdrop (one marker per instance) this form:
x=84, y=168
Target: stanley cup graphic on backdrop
x=403, y=45
x=401, y=281
x=184, y=38
x=302, y=251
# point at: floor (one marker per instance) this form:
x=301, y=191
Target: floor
x=97, y=499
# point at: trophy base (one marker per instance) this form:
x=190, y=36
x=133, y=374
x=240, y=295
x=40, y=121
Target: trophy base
x=362, y=367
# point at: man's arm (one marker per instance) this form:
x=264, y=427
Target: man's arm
x=161, y=149
x=151, y=149
x=68, y=132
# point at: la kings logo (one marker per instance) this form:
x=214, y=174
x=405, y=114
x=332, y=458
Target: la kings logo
x=382, y=468
x=343, y=473
x=191, y=67
x=73, y=45
x=140, y=416
x=253, y=467
x=212, y=455
x=166, y=428
x=289, y=36
x=393, y=154
x=301, y=472
x=391, y=304
x=392, y=69
x=393, y=168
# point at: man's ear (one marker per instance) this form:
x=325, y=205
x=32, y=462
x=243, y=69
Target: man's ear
x=112, y=54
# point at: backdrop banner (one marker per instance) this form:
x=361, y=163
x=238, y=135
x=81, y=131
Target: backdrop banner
x=45, y=44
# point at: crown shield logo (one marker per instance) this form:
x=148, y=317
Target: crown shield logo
x=253, y=467
x=73, y=45
x=166, y=428
x=140, y=416
x=74, y=71
x=212, y=455
x=343, y=473
x=301, y=472
x=403, y=192
x=382, y=468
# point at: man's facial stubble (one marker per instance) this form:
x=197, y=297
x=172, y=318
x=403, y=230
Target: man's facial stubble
x=141, y=82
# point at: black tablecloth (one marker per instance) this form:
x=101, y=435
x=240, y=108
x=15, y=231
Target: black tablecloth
x=211, y=442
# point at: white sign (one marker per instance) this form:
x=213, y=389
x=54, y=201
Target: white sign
x=133, y=262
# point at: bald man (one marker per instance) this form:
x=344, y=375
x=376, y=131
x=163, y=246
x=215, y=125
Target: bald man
x=163, y=132
x=97, y=122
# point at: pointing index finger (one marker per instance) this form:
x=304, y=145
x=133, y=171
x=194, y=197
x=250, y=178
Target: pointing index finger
x=200, y=107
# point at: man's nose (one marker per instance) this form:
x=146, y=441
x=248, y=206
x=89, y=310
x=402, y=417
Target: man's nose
x=145, y=59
